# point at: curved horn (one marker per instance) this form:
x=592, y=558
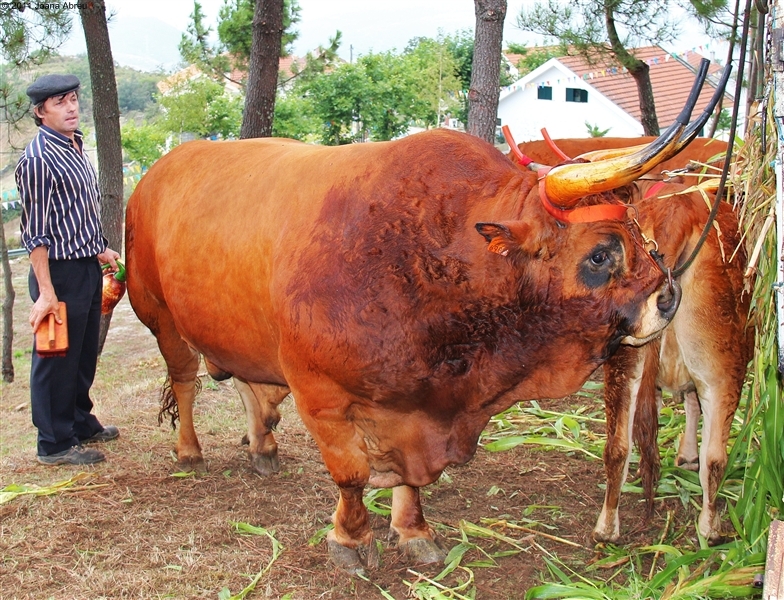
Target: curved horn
x=687, y=137
x=693, y=130
x=567, y=184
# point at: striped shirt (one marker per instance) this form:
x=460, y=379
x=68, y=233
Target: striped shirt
x=60, y=199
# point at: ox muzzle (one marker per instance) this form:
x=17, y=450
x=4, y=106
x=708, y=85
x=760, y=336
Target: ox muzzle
x=656, y=313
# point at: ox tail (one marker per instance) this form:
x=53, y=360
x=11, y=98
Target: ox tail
x=169, y=402
x=646, y=425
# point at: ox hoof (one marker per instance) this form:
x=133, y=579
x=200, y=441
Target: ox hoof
x=265, y=465
x=191, y=465
x=423, y=551
x=689, y=464
x=717, y=539
x=353, y=561
x=602, y=537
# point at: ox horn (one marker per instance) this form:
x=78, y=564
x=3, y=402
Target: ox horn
x=687, y=137
x=565, y=185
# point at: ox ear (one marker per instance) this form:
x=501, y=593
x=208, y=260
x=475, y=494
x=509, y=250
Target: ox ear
x=502, y=237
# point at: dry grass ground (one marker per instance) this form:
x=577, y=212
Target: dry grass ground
x=136, y=531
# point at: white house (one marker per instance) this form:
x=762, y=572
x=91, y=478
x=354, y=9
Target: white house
x=569, y=96
x=555, y=97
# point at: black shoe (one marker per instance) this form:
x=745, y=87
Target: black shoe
x=75, y=455
x=110, y=432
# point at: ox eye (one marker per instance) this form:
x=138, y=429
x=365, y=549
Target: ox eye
x=601, y=264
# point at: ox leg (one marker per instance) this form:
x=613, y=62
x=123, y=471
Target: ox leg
x=351, y=544
x=622, y=374
x=261, y=410
x=182, y=363
x=189, y=456
x=415, y=537
x=717, y=414
x=688, y=450
x=322, y=407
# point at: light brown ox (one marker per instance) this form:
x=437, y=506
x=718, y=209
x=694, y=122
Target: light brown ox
x=701, y=357
x=355, y=278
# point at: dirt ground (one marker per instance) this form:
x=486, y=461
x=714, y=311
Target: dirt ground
x=136, y=531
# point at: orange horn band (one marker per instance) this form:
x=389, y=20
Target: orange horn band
x=566, y=185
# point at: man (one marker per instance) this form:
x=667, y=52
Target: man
x=61, y=230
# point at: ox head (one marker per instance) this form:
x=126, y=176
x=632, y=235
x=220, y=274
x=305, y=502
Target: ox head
x=587, y=278
x=565, y=185
x=602, y=267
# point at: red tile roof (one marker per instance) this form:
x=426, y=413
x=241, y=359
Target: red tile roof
x=671, y=78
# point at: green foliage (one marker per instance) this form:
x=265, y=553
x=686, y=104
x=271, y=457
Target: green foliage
x=32, y=35
x=14, y=103
x=381, y=95
x=594, y=131
x=144, y=144
x=725, y=121
x=461, y=46
x=235, y=37
x=224, y=115
x=295, y=118
x=135, y=90
x=242, y=528
x=201, y=107
x=338, y=98
x=582, y=24
x=235, y=21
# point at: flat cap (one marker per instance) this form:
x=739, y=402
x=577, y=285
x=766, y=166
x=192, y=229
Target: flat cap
x=47, y=86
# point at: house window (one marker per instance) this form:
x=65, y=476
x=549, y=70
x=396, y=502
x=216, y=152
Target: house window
x=576, y=95
x=544, y=92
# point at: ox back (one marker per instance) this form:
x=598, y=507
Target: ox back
x=404, y=292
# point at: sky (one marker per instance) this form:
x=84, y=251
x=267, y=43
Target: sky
x=367, y=25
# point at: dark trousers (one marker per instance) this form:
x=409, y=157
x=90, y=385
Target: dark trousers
x=60, y=386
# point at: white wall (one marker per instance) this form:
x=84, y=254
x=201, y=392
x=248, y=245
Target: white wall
x=525, y=114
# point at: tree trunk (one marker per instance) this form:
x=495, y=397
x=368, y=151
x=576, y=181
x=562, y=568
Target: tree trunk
x=8, y=309
x=486, y=68
x=641, y=75
x=638, y=70
x=263, y=71
x=106, y=114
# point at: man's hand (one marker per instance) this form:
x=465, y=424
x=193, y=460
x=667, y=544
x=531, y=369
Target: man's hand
x=47, y=300
x=109, y=257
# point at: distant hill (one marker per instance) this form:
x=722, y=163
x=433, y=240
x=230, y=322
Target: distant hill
x=144, y=43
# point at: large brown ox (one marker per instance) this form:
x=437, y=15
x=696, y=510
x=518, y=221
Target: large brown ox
x=355, y=278
x=701, y=357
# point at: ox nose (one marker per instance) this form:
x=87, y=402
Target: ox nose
x=669, y=299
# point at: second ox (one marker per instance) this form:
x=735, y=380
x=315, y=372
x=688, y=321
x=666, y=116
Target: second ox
x=404, y=292
x=701, y=357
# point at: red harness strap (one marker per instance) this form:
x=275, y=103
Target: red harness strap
x=654, y=189
x=521, y=158
x=583, y=214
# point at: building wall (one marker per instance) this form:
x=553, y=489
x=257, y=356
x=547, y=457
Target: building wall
x=525, y=114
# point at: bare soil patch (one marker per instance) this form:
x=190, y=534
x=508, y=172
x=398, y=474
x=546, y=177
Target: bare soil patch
x=147, y=534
